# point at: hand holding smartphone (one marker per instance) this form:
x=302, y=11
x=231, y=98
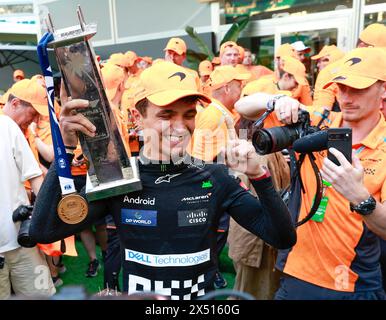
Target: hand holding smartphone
x=340, y=139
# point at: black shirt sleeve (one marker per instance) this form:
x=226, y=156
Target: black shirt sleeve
x=268, y=217
x=46, y=226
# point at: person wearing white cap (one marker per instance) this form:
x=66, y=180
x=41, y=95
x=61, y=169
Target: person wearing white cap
x=301, y=50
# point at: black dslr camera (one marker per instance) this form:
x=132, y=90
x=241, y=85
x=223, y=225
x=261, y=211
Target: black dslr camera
x=23, y=213
x=276, y=139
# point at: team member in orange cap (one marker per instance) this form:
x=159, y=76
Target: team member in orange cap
x=229, y=54
x=302, y=92
x=326, y=97
x=292, y=75
x=337, y=253
x=171, y=248
x=175, y=51
x=373, y=35
x=327, y=55
x=224, y=86
x=205, y=68
x=18, y=75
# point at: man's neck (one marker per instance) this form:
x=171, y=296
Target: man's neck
x=362, y=128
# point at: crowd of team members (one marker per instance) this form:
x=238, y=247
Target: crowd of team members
x=227, y=78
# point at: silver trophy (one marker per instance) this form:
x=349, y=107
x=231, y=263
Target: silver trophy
x=111, y=171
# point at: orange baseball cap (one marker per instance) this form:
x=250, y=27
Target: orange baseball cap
x=31, y=91
x=132, y=57
x=177, y=45
x=332, y=52
x=286, y=50
x=360, y=68
x=205, y=68
x=120, y=60
x=296, y=68
x=228, y=44
x=374, y=35
x=112, y=76
x=165, y=82
x=223, y=75
x=18, y=73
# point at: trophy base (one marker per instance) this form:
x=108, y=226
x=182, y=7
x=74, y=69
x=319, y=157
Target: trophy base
x=114, y=188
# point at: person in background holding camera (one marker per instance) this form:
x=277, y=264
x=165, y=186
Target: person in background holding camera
x=337, y=257
x=20, y=267
x=291, y=75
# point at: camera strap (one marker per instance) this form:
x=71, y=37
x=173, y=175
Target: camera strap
x=297, y=187
x=63, y=166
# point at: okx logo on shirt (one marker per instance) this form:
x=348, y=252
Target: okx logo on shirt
x=143, y=218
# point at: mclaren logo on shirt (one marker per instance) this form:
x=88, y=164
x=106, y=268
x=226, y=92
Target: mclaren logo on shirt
x=197, y=199
x=168, y=260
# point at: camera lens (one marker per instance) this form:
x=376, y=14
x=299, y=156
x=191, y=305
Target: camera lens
x=23, y=238
x=274, y=139
x=262, y=141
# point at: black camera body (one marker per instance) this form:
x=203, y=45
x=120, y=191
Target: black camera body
x=276, y=139
x=23, y=213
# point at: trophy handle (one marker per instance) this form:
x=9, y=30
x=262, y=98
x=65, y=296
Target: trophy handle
x=49, y=24
x=81, y=19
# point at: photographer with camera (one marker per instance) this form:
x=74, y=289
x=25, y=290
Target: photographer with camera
x=337, y=257
x=20, y=267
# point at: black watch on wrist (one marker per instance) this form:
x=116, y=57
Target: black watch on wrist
x=366, y=207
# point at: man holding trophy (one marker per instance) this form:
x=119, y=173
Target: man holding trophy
x=168, y=228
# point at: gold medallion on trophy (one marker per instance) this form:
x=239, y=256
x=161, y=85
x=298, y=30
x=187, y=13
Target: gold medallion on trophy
x=72, y=209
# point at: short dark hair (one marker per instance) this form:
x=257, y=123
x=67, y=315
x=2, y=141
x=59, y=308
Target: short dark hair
x=142, y=105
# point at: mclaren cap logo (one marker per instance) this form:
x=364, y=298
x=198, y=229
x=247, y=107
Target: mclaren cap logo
x=178, y=74
x=339, y=78
x=353, y=61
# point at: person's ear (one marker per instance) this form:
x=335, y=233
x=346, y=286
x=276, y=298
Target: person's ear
x=136, y=115
x=15, y=103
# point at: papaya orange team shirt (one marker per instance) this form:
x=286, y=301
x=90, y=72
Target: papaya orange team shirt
x=341, y=253
x=211, y=133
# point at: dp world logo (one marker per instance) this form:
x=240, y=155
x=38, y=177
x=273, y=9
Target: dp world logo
x=138, y=215
x=62, y=163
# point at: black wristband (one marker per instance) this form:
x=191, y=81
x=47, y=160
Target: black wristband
x=70, y=147
x=70, y=157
